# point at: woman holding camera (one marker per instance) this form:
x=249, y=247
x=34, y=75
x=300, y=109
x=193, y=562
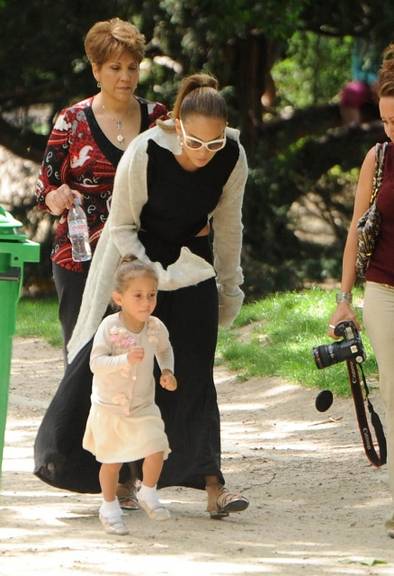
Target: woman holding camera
x=378, y=312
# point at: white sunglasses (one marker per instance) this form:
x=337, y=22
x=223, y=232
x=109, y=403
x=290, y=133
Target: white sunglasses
x=196, y=144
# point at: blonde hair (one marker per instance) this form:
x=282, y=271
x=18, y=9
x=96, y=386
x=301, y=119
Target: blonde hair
x=129, y=269
x=198, y=94
x=113, y=37
x=386, y=73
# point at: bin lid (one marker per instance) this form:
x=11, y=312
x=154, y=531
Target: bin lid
x=9, y=227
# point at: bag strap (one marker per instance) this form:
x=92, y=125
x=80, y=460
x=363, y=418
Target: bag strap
x=369, y=448
x=378, y=175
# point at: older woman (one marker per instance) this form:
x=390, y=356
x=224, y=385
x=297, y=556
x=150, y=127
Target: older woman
x=84, y=148
x=83, y=151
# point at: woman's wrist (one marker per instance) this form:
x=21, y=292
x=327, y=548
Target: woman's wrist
x=342, y=296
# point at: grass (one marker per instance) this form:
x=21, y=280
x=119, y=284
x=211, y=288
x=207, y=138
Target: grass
x=39, y=318
x=275, y=337
x=271, y=337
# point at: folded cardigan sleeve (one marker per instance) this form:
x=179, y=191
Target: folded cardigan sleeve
x=227, y=244
x=227, y=227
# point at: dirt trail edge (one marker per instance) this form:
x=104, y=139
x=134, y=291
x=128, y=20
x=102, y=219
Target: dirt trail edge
x=317, y=506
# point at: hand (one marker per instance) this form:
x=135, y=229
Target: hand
x=229, y=306
x=344, y=311
x=168, y=380
x=135, y=354
x=61, y=199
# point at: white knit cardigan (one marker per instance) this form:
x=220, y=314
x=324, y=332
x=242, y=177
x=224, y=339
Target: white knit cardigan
x=120, y=235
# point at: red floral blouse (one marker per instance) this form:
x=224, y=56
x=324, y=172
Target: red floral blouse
x=80, y=155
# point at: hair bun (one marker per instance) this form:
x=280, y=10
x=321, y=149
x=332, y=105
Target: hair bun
x=128, y=258
x=388, y=53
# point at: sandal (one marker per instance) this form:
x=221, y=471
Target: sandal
x=128, y=502
x=227, y=502
x=126, y=494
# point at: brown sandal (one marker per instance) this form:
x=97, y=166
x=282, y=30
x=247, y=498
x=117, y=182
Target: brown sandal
x=128, y=502
x=127, y=496
x=227, y=502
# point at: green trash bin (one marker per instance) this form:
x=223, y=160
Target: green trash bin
x=15, y=250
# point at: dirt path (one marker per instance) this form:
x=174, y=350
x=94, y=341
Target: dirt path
x=317, y=507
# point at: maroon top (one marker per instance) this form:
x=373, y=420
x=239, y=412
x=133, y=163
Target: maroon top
x=79, y=154
x=381, y=267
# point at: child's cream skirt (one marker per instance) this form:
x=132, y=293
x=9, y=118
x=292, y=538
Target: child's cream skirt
x=115, y=438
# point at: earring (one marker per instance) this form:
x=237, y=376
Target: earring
x=180, y=141
x=98, y=84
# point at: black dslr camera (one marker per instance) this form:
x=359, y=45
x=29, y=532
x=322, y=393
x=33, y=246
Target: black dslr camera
x=349, y=348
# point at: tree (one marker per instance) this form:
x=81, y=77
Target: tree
x=255, y=48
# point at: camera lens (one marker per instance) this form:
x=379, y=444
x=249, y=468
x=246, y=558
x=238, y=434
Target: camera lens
x=324, y=355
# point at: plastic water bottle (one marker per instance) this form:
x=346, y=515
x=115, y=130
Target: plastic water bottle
x=78, y=232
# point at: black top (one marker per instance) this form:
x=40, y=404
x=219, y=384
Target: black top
x=179, y=201
x=112, y=152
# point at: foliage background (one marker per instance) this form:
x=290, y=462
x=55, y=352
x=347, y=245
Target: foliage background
x=281, y=65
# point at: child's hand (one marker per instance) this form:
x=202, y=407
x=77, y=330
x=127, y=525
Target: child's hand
x=168, y=380
x=135, y=354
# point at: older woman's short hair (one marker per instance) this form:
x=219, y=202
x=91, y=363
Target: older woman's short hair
x=113, y=37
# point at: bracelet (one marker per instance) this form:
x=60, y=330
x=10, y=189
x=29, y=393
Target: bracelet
x=344, y=297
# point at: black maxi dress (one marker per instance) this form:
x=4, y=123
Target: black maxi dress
x=178, y=206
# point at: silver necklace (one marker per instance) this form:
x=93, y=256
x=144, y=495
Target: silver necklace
x=119, y=126
x=119, y=137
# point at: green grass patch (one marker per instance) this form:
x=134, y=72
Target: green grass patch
x=38, y=318
x=272, y=337
x=275, y=337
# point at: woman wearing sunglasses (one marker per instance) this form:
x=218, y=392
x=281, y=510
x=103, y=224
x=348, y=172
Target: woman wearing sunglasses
x=175, y=183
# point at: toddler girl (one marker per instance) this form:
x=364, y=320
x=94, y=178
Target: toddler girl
x=124, y=423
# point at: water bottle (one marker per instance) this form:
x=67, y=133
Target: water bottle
x=78, y=232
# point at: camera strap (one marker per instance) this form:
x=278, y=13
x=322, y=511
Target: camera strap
x=359, y=403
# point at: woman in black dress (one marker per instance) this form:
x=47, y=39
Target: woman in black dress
x=177, y=202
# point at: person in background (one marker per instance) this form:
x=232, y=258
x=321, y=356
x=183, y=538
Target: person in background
x=175, y=184
x=84, y=148
x=358, y=103
x=124, y=424
x=378, y=314
x=82, y=153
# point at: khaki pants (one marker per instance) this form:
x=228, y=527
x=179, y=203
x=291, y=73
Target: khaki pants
x=379, y=323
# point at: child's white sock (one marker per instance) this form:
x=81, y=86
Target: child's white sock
x=149, y=495
x=110, y=509
x=149, y=501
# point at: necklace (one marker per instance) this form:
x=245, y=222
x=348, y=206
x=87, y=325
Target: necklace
x=119, y=137
x=119, y=127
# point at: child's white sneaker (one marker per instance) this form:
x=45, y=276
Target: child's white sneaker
x=114, y=524
x=155, y=511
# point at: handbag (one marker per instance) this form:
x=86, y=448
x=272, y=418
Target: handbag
x=368, y=226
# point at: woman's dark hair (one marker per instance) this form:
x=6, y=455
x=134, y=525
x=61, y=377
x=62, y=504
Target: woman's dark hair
x=386, y=73
x=198, y=94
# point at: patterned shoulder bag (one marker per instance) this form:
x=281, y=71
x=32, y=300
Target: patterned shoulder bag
x=368, y=226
